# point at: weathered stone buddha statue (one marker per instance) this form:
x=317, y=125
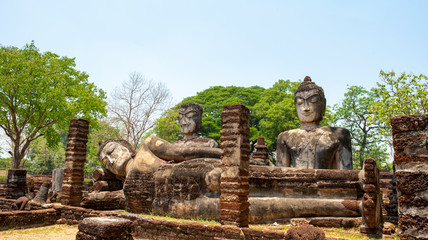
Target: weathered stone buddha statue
x=119, y=157
x=190, y=119
x=312, y=146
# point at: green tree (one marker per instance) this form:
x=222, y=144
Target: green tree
x=405, y=94
x=212, y=100
x=39, y=93
x=42, y=159
x=276, y=111
x=353, y=113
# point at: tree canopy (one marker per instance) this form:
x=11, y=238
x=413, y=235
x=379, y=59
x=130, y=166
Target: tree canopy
x=353, y=113
x=405, y=94
x=39, y=94
x=276, y=112
x=212, y=100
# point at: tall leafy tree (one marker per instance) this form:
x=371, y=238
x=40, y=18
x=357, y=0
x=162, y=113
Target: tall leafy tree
x=42, y=159
x=276, y=111
x=39, y=93
x=353, y=113
x=403, y=94
x=212, y=100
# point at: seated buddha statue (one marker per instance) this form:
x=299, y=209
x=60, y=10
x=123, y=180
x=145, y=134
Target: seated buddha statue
x=313, y=146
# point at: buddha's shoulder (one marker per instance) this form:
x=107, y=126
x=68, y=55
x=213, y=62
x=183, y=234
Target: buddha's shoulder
x=291, y=133
x=337, y=133
x=334, y=130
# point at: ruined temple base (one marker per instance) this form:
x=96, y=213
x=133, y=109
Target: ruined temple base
x=325, y=222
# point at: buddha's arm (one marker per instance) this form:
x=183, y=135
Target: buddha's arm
x=283, y=158
x=168, y=151
x=344, y=153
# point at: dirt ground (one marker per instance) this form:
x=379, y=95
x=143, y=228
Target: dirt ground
x=57, y=232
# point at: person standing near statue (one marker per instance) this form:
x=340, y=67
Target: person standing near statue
x=313, y=146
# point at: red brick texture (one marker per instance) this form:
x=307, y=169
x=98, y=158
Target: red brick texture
x=234, y=186
x=75, y=157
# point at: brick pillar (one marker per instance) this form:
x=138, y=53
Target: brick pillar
x=372, y=199
x=75, y=156
x=16, y=183
x=234, y=186
x=410, y=140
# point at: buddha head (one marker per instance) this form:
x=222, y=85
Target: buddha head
x=115, y=155
x=190, y=119
x=310, y=102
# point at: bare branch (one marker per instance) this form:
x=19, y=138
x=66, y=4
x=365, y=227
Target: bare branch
x=135, y=105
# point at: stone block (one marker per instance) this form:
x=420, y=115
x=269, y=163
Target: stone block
x=409, y=123
x=107, y=227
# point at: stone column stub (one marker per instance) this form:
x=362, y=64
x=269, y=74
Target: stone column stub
x=16, y=183
x=235, y=163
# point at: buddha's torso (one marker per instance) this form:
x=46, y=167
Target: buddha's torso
x=314, y=149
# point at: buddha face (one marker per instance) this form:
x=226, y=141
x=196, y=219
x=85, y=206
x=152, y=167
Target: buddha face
x=309, y=106
x=115, y=157
x=190, y=120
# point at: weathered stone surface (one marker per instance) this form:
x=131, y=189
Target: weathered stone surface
x=409, y=123
x=104, y=200
x=108, y=185
x=305, y=233
x=100, y=174
x=16, y=183
x=21, y=219
x=57, y=178
x=372, y=199
x=107, y=227
x=411, y=163
x=412, y=182
x=139, y=189
x=313, y=146
x=42, y=194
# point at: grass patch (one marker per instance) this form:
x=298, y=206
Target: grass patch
x=173, y=219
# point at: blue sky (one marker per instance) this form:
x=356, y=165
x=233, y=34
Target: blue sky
x=192, y=45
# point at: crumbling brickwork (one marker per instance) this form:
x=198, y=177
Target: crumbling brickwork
x=410, y=141
x=260, y=155
x=75, y=157
x=234, y=186
x=139, y=190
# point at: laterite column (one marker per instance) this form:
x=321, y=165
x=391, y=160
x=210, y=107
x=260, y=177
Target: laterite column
x=75, y=157
x=235, y=162
x=410, y=140
x=372, y=199
x=16, y=183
